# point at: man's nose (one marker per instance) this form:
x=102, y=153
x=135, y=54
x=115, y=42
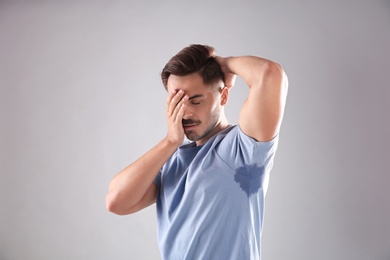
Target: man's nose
x=187, y=113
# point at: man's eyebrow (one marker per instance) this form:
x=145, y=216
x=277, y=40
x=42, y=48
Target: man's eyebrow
x=195, y=96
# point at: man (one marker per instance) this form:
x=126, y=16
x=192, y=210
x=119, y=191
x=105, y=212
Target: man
x=210, y=192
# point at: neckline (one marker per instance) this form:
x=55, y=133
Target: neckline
x=191, y=146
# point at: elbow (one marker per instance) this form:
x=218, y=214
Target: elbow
x=114, y=205
x=111, y=204
x=268, y=73
x=273, y=70
x=275, y=74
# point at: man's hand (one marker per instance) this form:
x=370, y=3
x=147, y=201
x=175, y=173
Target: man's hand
x=175, y=111
x=230, y=77
x=133, y=189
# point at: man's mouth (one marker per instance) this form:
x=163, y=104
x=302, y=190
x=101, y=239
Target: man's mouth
x=189, y=124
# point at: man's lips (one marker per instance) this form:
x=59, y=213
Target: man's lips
x=186, y=126
x=189, y=123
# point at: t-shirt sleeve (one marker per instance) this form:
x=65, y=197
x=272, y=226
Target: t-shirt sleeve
x=238, y=149
x=157, y=180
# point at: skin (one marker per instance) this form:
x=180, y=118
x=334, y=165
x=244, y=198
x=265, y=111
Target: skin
x=203, y=114
x=201, y=109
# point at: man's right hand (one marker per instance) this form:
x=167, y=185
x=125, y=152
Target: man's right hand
x=133, y=189
x=175, y=111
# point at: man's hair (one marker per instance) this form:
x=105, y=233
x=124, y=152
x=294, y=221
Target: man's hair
x=194, y=58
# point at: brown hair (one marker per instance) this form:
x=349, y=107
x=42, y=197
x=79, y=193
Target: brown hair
x=194, y=58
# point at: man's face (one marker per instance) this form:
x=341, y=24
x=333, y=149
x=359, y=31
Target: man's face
x=203, y=109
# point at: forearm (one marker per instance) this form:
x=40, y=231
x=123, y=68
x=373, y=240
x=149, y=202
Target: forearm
x=253, y=70
x=132, y=189
x=130, y=185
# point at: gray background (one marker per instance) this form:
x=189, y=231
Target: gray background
x=81, y=98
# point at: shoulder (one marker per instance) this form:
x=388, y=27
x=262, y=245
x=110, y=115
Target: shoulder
x=237, y=147
x=236, y=135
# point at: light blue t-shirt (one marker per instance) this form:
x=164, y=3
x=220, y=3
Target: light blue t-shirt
x=210, y=201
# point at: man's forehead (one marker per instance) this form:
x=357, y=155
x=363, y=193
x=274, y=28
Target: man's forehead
x=191, y=84
x=192, y=94
x=189, y=87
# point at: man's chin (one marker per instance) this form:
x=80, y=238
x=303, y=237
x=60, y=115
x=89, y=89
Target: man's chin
x=192, y=136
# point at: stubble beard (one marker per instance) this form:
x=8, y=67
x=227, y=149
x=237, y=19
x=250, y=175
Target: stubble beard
x=211, y=124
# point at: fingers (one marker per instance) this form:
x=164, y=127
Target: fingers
x=172, y=97
x=230, y=79
x=178, y=112
x=176, y=105
x=173, y=101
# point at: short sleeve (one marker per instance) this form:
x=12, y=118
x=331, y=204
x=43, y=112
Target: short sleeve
x=238, y=149
x=157, y=180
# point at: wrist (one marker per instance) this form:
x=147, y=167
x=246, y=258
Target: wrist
x=171, y=143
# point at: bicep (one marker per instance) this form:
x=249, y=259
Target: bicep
x=262, y=111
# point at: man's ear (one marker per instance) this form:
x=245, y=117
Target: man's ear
x=224, y=95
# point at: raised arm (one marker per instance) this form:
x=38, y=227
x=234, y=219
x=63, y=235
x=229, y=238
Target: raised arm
x=133, y=188
x=262, y=111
